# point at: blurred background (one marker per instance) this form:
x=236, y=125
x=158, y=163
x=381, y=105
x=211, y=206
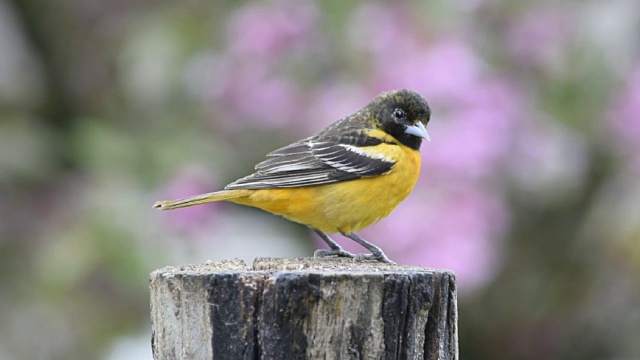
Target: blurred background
x=530, y=188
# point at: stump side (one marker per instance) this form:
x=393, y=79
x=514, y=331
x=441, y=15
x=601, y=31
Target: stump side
x=176, y=305
x=303, y=308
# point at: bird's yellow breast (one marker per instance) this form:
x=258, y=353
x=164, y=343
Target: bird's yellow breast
x=346, y=206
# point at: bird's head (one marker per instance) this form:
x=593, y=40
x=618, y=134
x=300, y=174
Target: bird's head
x=404, y=115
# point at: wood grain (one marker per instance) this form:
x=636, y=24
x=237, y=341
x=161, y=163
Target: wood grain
x=303, y=308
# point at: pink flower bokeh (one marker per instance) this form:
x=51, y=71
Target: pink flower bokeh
x=540, y=36
x=472, y=139
x=249, y=86
x=267, y=31
x=457, y=228
x=455, y=218
x=377, y=28
x=190, y=182
x=444, y=72
x=624, y=119
x=332, y=101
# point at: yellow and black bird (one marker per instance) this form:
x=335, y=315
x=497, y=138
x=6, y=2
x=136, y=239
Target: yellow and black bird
x=342, y=179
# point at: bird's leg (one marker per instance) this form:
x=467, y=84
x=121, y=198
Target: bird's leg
x=336, y=250
x=376, y=252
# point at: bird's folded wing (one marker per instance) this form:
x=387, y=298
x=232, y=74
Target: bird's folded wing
x=315, y=161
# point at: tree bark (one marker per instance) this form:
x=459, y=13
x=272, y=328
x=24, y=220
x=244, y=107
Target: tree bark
x=303, y=309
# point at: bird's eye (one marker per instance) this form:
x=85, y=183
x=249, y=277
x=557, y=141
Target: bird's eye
x=398, y=114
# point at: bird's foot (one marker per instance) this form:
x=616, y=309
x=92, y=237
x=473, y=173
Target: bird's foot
x=375, y=256
x=333, y=252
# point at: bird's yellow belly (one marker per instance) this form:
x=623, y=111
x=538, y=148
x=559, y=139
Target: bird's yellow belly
x=345, y=206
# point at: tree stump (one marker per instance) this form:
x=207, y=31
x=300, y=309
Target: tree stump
x=306, y=308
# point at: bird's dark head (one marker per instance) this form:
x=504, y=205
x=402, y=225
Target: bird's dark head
x=404, y=115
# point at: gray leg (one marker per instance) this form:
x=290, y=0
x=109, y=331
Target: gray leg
x=376, y=252
x=336, y=250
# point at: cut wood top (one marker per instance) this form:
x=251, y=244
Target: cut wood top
x=307, y=264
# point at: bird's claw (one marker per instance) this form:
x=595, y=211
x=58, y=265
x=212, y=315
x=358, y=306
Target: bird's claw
x=333, y=252
x=377, y=257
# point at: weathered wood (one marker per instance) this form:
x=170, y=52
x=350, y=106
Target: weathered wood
x=303, y=309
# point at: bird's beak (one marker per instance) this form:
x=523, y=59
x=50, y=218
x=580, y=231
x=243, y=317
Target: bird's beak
x=418, y=130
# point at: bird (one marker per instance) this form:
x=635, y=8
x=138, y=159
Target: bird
x=341, y=180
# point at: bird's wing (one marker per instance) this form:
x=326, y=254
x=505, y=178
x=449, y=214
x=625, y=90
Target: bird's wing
x=318, y=160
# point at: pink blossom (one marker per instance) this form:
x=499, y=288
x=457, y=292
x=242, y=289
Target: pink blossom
x=333, y=101
x=443, y=72
x=269, y=30
x=456, y=228
x=379, y=28
x=472, y=139
x=440, y=70
x=249, y=93
x=540, y=36
x=248, y=87
x=190, y=182
x=624, y=118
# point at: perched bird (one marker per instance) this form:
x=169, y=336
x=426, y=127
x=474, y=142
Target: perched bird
x=342, y=179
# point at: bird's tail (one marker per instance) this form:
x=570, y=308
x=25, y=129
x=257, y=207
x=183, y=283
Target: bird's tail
x=199, y=199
